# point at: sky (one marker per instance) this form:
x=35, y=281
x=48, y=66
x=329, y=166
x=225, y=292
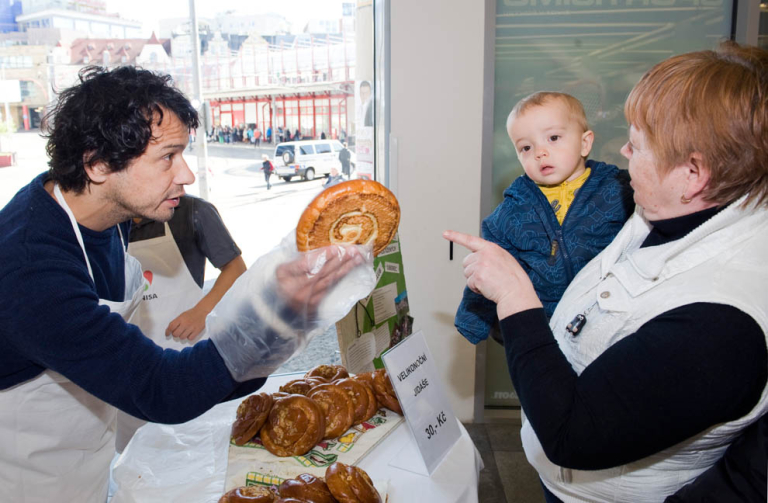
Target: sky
x=297, y=12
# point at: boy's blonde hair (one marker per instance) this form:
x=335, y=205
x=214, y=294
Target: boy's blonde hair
x=542, y=98
x=714, y=103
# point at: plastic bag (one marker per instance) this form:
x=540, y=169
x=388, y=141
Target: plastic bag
x=285, y=299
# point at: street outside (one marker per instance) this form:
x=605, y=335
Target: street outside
x=257, y=218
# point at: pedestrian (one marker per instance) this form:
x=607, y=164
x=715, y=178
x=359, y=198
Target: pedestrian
x=334, y=178
x=268, y=168
x=257, y=136
x=269, y=134
x=344, y=159
x=322, y=135
x=297, y=135
x=69, y=356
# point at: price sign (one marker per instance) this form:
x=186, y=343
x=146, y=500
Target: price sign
x=429, y=415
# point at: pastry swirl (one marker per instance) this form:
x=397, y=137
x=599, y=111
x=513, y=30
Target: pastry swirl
x=350, y=484
x=251, y=415
x=355, y=212
x=337, y=408
x=384, y=391
x=248, y=494
x=363, y=399
x=307, y=488
x=329, y=372
x=295, y=424
x=300, y=386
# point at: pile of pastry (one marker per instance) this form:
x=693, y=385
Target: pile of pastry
x=324, y=404
x=342, y=484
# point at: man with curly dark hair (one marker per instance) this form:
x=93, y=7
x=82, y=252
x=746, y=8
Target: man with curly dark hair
x=69, y=358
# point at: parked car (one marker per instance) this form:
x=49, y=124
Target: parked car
x=306, y=158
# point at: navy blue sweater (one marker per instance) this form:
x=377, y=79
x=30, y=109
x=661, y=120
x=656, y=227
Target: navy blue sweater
x=50, y=319
x=526, y=226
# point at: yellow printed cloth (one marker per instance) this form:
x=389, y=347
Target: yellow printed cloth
x=561, y=196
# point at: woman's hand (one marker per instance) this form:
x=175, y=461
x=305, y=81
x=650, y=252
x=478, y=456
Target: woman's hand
x=495, y=274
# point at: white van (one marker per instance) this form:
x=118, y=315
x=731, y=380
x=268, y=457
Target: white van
x=306, y=158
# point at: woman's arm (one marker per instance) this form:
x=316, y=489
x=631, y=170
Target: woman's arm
x=679, y=374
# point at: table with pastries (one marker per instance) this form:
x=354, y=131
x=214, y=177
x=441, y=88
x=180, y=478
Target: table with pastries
x=188, y=462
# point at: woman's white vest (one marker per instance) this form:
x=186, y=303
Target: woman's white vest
x=722, y=261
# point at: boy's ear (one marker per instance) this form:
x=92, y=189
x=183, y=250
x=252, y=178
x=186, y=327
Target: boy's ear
x=586, y=143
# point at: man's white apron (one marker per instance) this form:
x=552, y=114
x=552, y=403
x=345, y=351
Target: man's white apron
x=57, y=439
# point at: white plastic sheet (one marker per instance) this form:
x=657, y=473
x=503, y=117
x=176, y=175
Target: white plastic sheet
x=187, y=462
x=284, y=300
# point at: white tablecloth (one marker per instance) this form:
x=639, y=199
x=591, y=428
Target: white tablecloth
x=188, y=462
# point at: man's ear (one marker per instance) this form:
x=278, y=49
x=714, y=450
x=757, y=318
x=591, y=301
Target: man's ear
x=97, y=171
x=586, y=143
x=697, y=175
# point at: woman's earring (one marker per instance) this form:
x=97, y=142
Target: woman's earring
x=684, y=199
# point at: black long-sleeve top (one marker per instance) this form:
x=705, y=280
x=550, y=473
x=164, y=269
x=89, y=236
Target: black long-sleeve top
x=682, y=372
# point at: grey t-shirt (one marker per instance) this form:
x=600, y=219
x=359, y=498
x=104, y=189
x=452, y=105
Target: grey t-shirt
x=199, y=233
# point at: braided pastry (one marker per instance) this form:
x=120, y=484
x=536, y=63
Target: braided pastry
x=384, y=391
x=328, y=372
x=354, y=212
x=363, y=399
x=295, y=424
x=350, y=484
x=306, y=488
x=251, y=414
x=301, y=386
x=337, y=408
x=248, y=494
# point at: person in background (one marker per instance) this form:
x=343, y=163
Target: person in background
x=334, y=178
x=268, y=168
x=655, y=360
x=69, y=356
x=322, y=135
x=269, y=134
x=297, y=135
x=345, y=160
x=557, y=216
x=257, y=136
x=173, y=255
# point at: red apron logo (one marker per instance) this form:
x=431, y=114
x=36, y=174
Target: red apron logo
x=148, y=276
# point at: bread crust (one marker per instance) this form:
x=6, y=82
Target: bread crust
x=350, y=484
x=251, y=415
x=353, y=212
x=294, y=426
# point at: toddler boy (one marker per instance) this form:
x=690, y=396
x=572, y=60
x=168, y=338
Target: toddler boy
x=561, y=213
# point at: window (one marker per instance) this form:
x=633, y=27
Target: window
x=307, y=149
x=322, y=148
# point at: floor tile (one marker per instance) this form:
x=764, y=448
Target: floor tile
x=505, y=436
x=519, y=479
x=479, y=435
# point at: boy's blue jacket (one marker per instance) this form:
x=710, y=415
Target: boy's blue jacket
x=525, y=225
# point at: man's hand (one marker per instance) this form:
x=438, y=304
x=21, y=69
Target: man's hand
x=495, y=274
x=304, y=282
x=188, y=325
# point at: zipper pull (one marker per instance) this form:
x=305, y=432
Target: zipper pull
x=553, y=253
